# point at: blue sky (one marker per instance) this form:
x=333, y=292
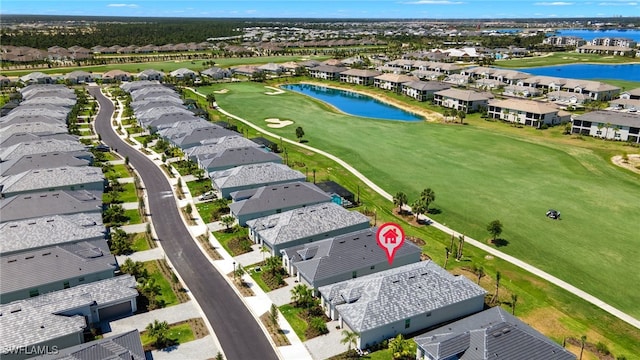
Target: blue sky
x=427, y=9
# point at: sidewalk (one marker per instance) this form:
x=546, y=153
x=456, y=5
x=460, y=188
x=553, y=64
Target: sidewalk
x=142, y=256
x=201, y=349
x=172, y=314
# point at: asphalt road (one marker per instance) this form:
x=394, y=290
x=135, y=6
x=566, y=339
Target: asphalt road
x=239, y=334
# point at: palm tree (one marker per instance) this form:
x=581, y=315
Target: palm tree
x=514, y=300
x=495, y=295
x=417, y=207
x=301, y=295
x=272, y=264
x=299, y=133
x=461, y=116
x=264, y=250
x=461, y=244
x=211, y=98
x=480, y=273
x=583, y=340
x=159, y=331
x=227, y=221
x=399, y=200
x=608, y=126
x=427, y=196
x=350, y=338
x=447, y=252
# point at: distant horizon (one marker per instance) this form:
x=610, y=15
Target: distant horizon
x=330, y=9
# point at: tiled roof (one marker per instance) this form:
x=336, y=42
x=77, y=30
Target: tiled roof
x=34, y=180
x=296, y=194
x=47, y=203
x=361, y=72
x=122, y=346
x=238, y=156
x=378, y=299
x=490, y=334
x=20, y=137
x=40, y=147
x=611, y=117
x=396, y=78
x=427, y=85
x=254, y=174
x=305, y=222
x=531, y=106
x=466, y=95
x=227, y=142
x=40, y=161
x=45, y=231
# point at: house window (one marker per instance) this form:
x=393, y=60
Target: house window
x=407, y=323
x=33, y=293
x=66, y=285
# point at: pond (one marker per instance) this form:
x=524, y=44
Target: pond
x=589, y=35
x=354, y=103
x=629, y=72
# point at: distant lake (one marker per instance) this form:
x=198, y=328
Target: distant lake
x=354, y=103
x=591, y=34
x=629, y=72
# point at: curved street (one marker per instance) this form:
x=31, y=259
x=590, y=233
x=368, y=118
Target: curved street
x=237, y=330
x=497, y=253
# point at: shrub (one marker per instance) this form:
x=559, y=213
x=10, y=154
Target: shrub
x=602, y=348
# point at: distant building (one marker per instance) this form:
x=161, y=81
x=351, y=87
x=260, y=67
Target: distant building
x=526, y=112
x=608, y=125
x=253, y=176
x=461, y=100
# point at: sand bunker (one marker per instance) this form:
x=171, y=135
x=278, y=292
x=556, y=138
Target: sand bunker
x=275, y=91
x=277, y=123
x=223, y=91
x=632, y=162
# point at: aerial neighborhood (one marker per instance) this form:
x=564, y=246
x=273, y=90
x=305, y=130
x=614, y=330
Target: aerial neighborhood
x=84, y=274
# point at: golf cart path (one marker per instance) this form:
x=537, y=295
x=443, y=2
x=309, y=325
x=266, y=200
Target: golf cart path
x=532, y=269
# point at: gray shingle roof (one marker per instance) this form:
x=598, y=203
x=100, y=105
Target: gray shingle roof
x=238, y=156
x=427, y=85
x=378, y=299
x=45, y=231
x=122, y=346
x=58, y=112
x=221, y=144
x=40, y=161
x=40, y=147
x=192, y=137
x=22, y=118
x=282, y=196
x=466, y=95
x=304, y=222
x=167, y=119
x=255, y=174
x=490, y=334
x=16, y=138
x=344, y=254
x=37, y=180
x=611, y=117
x=31, y=321
x=33, y=128
x=150, y=114
x=48, y=203
x=31, y=269
x=170, y=130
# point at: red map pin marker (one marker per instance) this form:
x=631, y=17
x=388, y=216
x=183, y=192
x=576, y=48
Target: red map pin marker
x=390, y=237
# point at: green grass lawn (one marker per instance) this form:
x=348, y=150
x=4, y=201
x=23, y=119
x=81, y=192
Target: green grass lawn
x=224, y=238
x=181, y=334
x=120, y=171
x=129, y=194
x=480, y=175
x=139, y=242
x=291, y=314
x=134, y=216
x=166, y=292
x=199, y=187
x=257, y=277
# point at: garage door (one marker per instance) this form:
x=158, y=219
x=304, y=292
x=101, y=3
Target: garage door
x=115, y=311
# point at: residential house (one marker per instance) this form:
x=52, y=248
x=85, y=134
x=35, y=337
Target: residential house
x=595, y=90
x=609, y=45
x=230, y=158
x=47, y=203
x=168, y=131
x=199, y=136
x=561, y=97
x=62, y=178
x=217, y=146
x=423, y=90
x=290, y=67
x=462, y=100
x=359, y=77
x=19, y=137
x=326, y=72
x=401, y=300
x=112, y=76
x=344, y=257
x=521, y=91
x=151, y=74
x=526, y=112
x=79, y=77
x=32, y=234
x=629, y=100
x=271, y=68
x=304, y=225
x=253, y=176
x=122, y=346
x=488, y=335
x=58, y=267
x=216, y=73
x=183, y=74
x=609, y=125
x=36, y=78
x=246, y=70
x=564, y=41
x=58, y=319
x=39, y=162
x=275, y=199
x=392, y=82
x=339, y=194
x=44, y=146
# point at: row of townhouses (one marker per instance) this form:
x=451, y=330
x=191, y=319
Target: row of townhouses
x=324, y=245
x=57, y=274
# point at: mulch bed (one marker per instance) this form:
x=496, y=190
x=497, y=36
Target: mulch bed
x=277, y=334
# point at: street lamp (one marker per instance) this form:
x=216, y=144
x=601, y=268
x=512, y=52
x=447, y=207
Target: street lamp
x=234, y=270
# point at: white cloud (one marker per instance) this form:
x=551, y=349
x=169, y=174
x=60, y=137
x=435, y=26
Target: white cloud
x=555, y=3
x=435, y=2
x=123, y=5
x=619, y=3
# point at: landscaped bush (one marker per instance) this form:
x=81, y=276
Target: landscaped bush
x=240, y=245
x=317, y=327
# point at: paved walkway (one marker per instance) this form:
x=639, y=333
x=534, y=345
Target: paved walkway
x=328, y=345
x=251, y=257
x=147, y=255
x=532, y=269
x=126, y=180
x=201, y=349
x=130, y=206
x=171, y=314
x=135, y=228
